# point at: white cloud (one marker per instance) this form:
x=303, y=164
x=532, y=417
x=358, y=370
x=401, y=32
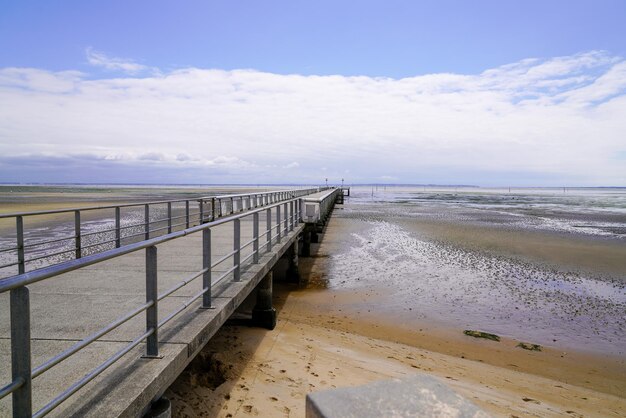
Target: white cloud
x=558, y=120
x=100, y=59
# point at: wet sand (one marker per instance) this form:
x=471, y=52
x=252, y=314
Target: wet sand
x=590, y=254
x=359, y=320
x=331, y=336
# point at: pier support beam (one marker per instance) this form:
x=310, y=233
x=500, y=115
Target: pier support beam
x=314, y=234
x=263, y=313
x=162, y=408
x=306, y=243
x=293, y=273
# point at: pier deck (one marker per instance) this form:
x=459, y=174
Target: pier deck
x=69, y=307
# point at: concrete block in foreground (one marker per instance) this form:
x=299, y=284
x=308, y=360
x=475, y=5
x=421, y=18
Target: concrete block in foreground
x=414, y=396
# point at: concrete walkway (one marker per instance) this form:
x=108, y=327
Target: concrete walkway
x=70, y=307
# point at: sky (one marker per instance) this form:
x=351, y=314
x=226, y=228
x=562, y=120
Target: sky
x=492, y=93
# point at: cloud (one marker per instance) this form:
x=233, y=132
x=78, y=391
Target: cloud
x=538, y=121
x=100, y=59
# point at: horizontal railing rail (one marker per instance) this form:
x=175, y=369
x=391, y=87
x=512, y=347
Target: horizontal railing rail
x=157, y=217
x=287, y=216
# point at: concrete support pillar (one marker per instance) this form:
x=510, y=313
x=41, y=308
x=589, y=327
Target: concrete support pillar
x=263, y=313
x=162, y=408
x=306, y=242
x=314, y=237
x=293, y=273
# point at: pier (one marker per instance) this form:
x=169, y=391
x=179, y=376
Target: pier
x=105, y=330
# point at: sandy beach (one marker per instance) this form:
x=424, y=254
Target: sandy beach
x=342, y=331
x=390, y=290
x=247, y=371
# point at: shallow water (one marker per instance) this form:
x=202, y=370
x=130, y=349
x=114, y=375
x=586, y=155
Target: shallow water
x=592, y=211
x=440, y=281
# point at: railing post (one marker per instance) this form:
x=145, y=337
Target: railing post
x=278, y=223
x=20, y=351
x=237, y=249
x=286, y=219
x=291, y=215
x=268, y=213
x=186, y=214
x=214, y=208
x=201, y=203
x=255, y=236
x=77, y=240
x=206, y=264
x=19, y=230
x=169, y=217
x=118, y=230
x=146, y=226
x=232, y=205
x=152, y=313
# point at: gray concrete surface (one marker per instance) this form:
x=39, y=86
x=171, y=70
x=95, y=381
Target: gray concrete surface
x=70, y=307
x=413, y=396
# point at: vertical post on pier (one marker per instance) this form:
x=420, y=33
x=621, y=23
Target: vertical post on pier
x=255, y=237
x=186, y=214
x=268, y=213
x=300, y=201
x=19, y=230
x=152, y=313
x=201, y=206
x=146, y=226
x=291, y=215
x=232, y=205
x=118, y=230
x=278, y=223
x=206, y=266
x=20, y=351
x=237, y=249
x=169, y=217
x=286, y=219
x=77, y=239
x=214, y=208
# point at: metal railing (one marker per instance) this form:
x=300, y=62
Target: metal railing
x=287, y=216
x=160, y=217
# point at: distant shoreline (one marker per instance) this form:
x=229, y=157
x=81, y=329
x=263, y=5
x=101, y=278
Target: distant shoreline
x=189, y=185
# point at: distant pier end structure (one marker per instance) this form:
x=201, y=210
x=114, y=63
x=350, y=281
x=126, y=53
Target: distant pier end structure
x=101, y=320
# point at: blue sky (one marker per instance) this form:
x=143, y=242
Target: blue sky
x=481, y=92
x=374, y=38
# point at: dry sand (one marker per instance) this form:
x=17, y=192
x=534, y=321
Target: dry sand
x=322, y=342
x=252, y=372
